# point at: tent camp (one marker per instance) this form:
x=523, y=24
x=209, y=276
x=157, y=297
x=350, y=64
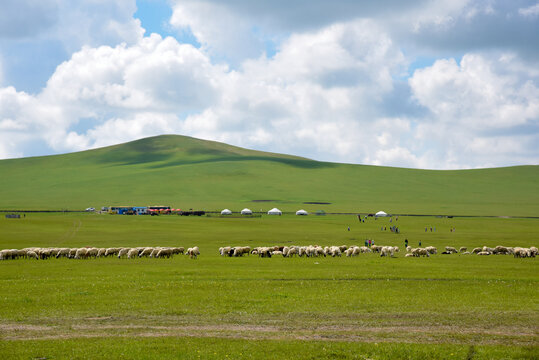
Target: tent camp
x=381, y=213
x=302, y=212
x=275, y=211
x=226, y=212
x=246, y=212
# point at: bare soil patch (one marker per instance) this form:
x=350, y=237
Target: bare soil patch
x=117, y=327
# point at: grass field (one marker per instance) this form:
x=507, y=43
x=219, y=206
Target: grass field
x=189, y=173
x=366, y=307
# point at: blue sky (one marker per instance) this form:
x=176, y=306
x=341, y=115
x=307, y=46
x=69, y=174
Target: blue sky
x=421, y=84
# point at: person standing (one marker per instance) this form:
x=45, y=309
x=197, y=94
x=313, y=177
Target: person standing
x=405, y=243
x=419, y=243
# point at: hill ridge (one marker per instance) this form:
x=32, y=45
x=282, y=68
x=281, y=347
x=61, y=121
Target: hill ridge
x=192, y=173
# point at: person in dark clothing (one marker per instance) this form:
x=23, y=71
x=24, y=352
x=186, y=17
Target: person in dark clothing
x=405, y=243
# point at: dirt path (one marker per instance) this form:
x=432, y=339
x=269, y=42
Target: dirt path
x=107, y=327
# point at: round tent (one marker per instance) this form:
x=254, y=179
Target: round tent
x=380, y=213
x=275, y=211
x=302, y=212
x=226, y=212
x=246, y=212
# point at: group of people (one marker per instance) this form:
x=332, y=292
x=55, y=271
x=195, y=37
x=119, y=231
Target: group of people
x=369, y=242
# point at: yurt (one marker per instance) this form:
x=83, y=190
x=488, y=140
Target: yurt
x=302, y=212
x=226, y=212
x=381, y=214
x=246, y=212
x=275, y=211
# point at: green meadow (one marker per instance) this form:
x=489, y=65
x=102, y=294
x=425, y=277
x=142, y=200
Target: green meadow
x=365, y=307
x=189, y=173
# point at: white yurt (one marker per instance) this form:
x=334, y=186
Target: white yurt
x=302, y=212
x=226, y=212
x=246, y=212
x=275, y=211
x=380, y=214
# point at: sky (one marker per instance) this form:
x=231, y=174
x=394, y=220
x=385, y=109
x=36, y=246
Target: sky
x=418, y=84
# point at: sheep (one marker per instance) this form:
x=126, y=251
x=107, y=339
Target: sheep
x=501, y=250
x=240, y=250
x=32, y=255
x=72, y=253
x=376, y=248
x=396, y=249
x=63, y=252
x=123, y=252
x=101, y=252
x=334, y=251
x=463, y=249
x=92, y=252
x=112, y=251
x=225, y=250
x=44, y=254
x=465, y=253
x=534, y=251
x=292, y=251
x=318, y=251
x=276, y=252
x=432, y=250
x=408, y=248
x=178, y=250
x=488, y=249
x=409, y=255
x=477, y=250
x=146, y=252
x=343, y=248
x=81, y=253
x=166, y=252
x=193, y=252
x=451, y=250
x=286, y=250
x=420, y=252
x=387, y=251
x=365, y=249
x=483, y=253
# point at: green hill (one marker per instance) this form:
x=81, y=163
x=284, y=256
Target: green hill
x=188, y=173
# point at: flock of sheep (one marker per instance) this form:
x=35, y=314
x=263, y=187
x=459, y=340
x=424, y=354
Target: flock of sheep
x=92, y=252
x=263, y=251
x=389, y=251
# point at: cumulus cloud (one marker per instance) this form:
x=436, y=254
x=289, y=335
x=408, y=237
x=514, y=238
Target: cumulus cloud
x=336, y=88
x=479, y=108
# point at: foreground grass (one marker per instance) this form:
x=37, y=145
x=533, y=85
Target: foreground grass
x=206, y=348
x=362, y=307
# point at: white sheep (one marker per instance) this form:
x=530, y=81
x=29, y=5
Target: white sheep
x=123, y=252
x=193, y=252
x=432, y=250
x=81, y=253
x=451, y=250
x=132, y=253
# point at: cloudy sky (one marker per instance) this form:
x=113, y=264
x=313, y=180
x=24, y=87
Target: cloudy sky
x=421, y=84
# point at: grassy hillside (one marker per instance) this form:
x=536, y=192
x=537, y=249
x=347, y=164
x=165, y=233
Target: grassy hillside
x=189, y=173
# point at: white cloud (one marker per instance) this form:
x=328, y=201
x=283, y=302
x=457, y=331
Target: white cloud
x=531, y=11
x=483, y=113
x=327, y=93
x=220, y=31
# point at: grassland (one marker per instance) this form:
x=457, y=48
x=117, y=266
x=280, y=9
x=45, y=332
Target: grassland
x=365, y=307
x=189, y=173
